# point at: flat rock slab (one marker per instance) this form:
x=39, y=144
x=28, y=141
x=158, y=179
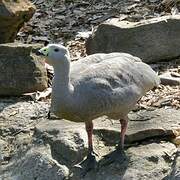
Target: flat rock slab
x=13, y=14
x=168, y=79
x=21, y=71
x=152, y=40
x=142, y=125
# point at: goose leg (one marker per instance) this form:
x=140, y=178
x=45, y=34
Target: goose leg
x=118, y=155
x=90, y=162
x=49, y=114
x=89, y=130
x=124, y=123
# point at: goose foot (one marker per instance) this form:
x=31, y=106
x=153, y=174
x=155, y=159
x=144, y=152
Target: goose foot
x=117, y=156
x=90, y=163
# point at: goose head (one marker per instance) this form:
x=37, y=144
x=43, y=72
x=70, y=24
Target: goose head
x=55, y=54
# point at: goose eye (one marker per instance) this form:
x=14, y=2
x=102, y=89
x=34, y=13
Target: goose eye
x=56, y=50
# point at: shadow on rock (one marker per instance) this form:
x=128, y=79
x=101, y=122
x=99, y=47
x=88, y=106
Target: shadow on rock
x=175, y=171
x=113, y=169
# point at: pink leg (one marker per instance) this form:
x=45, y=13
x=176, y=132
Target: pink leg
x=90, y=162
x=89, y=130
x=124, y=123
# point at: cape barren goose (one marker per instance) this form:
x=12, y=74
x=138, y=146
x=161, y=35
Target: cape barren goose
x=97, y=85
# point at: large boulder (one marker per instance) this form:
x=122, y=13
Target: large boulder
x=21, y=71
x=152, y=40
x=13, y=14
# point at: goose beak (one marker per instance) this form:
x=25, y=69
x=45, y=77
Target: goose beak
x=39, y=53
x=42, y=52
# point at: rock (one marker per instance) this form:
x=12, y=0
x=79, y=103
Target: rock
x=146, y=39
x=162, y=123
x=37, y=163
x=68, y=140
x=18, y=115
x=13, y=14
x=174, y=173
x=21, y=71
x=3, y=146
x=57, y=145
x=168, y=79
x=176, y=140
x=158, y=123
x=144, y=162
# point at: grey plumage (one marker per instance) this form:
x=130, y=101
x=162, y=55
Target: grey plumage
x=100, y=84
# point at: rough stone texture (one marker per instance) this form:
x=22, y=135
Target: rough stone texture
x=21, y=71
x=168, y=79
x=148, y=161
x=176, y=141
x=152, y=40
x=37, y=163
x=142, y=125
x=162, y=123
x=3, y=145
x=31, y=156
x=174, y=173
x=68, y=140
x=19, y=115
x=13, y=14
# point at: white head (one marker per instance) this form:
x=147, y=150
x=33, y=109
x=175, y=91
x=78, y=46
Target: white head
x=55, y=54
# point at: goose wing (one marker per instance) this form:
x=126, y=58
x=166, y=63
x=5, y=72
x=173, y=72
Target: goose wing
x=111, y=83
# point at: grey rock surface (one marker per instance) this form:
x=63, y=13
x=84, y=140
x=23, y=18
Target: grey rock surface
x=37, y=163
x=152, y=40
x=3, y=145
x=13, y=14
x=21, y=71
x=142, y=125
x=168, y=79
x=147, y=161
x=52, y=148
x=68, y=140
x=175, y=168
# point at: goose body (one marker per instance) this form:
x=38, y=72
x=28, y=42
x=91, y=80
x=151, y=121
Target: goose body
x=103, y=84
x=99, y=84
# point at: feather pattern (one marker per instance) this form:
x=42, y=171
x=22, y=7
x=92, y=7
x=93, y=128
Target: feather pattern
x=99, y=84
x=110, y=84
